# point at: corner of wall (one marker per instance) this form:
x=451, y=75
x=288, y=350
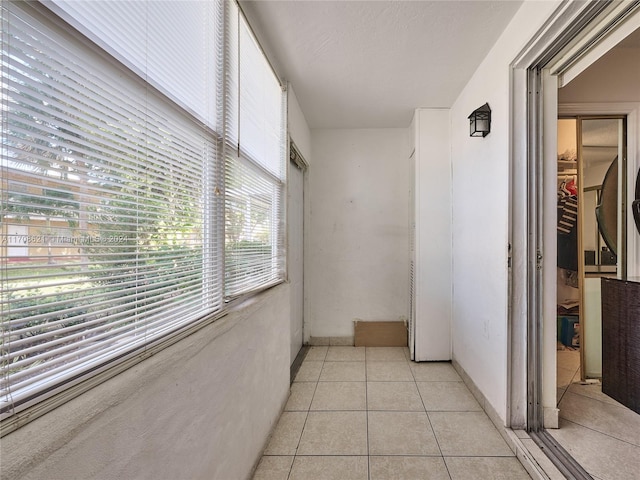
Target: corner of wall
x=297, y=124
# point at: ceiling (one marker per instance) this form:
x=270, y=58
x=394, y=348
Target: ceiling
x=369, y=64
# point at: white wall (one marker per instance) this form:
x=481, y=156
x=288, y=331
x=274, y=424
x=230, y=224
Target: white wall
x=358, y=249
x=481, y=196
x=201, y=409
x=297, y=123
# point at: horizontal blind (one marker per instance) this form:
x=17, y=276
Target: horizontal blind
x=260, y=106
x=163, y=41
x=255, y=167
x=111, y=228
x=254, y=254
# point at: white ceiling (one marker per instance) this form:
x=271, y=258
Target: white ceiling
x=368, y=64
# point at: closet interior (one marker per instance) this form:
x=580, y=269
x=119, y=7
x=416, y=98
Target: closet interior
x=590, y=226
x=568, y=289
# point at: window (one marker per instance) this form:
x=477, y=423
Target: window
x=128, y=213
x=255, y=167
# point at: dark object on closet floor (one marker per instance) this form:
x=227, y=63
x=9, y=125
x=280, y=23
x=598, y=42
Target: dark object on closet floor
x=621, y=341
x=589, y=257
x=635, y=205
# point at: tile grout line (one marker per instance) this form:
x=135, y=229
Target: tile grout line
x=295, y=453
x=366, y=404
x=414, y=382
x=430, y=424
x=602, y=433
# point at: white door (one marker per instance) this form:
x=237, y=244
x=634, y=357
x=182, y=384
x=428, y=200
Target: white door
x=295, y=215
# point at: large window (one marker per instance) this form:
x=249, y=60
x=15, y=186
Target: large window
x=142, y=172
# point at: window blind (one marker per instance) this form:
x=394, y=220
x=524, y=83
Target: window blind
x=111, y=181
x=171, y=44
x=255, y=164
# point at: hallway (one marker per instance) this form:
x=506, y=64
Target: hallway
x=371, y=414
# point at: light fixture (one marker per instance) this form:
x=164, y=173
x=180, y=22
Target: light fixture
x=480, y=121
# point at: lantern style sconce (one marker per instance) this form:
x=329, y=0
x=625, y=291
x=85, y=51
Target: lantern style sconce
x=480, y=121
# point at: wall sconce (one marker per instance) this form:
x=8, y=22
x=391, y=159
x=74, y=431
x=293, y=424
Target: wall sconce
x=480, y=121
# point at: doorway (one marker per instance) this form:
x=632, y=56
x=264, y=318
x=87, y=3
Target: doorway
x=575, y=44
x=591, y=231
x=295, y=258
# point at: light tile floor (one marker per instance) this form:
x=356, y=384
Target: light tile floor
x=371, y=414
x=600, y=433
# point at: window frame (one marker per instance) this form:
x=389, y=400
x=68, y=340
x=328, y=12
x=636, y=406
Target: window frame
x=43, y=402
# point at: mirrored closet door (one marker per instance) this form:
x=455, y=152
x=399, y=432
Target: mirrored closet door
x=591, y=230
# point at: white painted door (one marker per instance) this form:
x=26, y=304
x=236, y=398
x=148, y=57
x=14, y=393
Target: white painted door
x=296, y=255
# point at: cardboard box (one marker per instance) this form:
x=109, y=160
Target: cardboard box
x=380, y=333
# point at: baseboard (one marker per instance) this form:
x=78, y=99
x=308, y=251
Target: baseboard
x=333, y=341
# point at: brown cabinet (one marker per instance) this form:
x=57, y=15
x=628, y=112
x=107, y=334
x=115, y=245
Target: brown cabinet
x=621, y=341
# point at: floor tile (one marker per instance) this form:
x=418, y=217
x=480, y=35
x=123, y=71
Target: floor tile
x=309, y=371
x=401, y=433
x=329, y=468
x=300, y=396
x=593, y=391
x=560, y=392
x=388, y=372
x=343, y=372
x=273, y=468
x=359, y=413
x=394, y=396
x=569, y=359
x=386, y=354
x=407, y=468
x=600, y=455
x=340, y=396
x=334, y=433
x=345, y=354
x=317, y=353
x=434, y=372
x=467, y=434
x=286, y=435
x=447, y=396
x=613, y=420
x=564, y=376
x=482, y=468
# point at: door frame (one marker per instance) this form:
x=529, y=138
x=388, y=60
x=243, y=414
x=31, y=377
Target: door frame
x=299, y=162
x=571, y=34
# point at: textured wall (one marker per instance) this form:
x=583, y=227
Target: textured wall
x=201, y=409
x=358, y=246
